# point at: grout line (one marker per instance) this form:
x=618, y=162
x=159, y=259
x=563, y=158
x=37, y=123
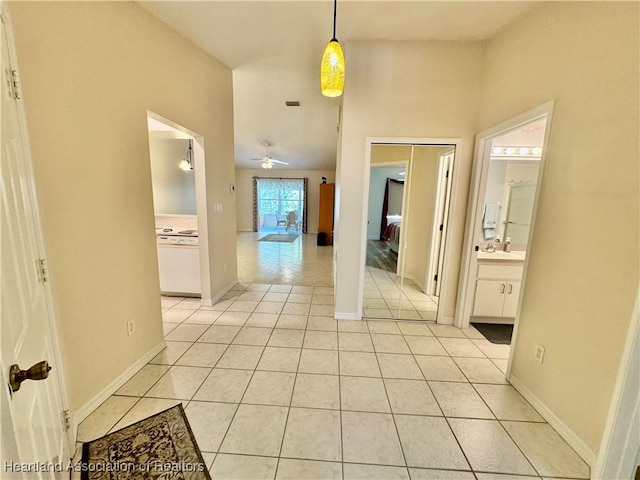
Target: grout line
x=293, y=389
x=393, y=418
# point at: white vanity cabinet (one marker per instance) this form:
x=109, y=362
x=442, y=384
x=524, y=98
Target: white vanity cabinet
x=497, y=288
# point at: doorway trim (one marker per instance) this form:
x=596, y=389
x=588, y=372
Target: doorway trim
x=454, y=142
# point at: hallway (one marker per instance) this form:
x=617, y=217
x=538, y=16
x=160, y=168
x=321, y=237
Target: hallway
x=274, y=387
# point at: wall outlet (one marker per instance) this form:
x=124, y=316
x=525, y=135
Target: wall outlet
x=539, y=353
x=218, y=207
x=131, y=326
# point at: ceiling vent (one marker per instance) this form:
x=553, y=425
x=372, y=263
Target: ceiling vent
x=292, y=103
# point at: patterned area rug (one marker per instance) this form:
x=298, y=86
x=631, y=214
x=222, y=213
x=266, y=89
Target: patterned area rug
x=280, y=237
x=159, y=447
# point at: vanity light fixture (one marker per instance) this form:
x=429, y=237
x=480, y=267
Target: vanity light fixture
x=531, y=152
x=332, y=67
x=186, y=163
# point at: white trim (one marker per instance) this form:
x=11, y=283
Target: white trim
x=457, y=143
x=219, y=295
x=558, y=425
x=620, y=447
x=346, y=316
x=445, y=320
x=415, y=279
x=84, y=411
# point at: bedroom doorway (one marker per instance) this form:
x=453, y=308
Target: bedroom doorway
x=409, y=194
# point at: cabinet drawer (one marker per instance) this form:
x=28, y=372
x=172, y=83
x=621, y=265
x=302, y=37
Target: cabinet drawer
x=507, y=272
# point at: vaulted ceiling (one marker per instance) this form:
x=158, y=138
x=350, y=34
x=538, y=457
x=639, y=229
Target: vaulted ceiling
x=274, y=49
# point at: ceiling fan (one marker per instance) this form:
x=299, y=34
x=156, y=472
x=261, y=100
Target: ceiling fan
x=268, y=161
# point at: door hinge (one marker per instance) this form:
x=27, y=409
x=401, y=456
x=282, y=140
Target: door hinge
x=43, y=275
x=447, y=175
x=15, y=85
x=66, y=415
x=441, y=227
x=435, y=278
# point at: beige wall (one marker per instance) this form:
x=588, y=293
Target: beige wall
x=90, y=71
x=419, y=221
x=244, y=193
x=174, y=190
x=583, y=271
x=402, y=89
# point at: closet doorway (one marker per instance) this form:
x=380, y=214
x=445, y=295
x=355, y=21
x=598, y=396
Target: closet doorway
x=410, y=186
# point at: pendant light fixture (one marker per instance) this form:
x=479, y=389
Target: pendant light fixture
x=186, y=163
x=332, y=67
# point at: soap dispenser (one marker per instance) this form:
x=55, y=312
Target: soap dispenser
x=506, y=246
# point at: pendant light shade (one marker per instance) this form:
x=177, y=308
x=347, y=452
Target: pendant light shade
x=332, y=70
x=332, y=67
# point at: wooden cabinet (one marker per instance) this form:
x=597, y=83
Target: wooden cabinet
x=497, y=290
x=325, y=212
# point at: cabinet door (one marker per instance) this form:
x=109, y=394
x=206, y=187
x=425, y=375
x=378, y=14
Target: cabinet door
x=511, y=299
x=489, y=298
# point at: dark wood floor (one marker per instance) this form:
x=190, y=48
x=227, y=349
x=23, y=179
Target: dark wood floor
x=379, y=256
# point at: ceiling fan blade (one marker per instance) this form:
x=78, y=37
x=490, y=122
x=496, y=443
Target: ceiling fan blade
x=279, y=161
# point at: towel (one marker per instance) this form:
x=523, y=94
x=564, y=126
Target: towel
x=490, y=219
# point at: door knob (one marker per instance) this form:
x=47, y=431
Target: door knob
x=39, y=371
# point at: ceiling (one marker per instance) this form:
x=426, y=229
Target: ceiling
x=274, y=49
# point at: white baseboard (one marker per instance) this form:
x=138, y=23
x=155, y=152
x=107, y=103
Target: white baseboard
x=84, y=411
x=445, y=320
x=414, y=279
x=347, y=316
x=219, y=295
x=565, y=432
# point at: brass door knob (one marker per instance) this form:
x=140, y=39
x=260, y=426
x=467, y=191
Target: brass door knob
x=39, y=371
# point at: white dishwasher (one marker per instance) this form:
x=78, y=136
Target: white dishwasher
x=179, y=263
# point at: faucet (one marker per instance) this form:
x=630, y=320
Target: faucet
x=490, y=247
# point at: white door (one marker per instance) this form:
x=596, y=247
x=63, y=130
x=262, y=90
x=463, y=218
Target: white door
x=33, y=426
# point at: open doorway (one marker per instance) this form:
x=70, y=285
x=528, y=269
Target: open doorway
x=177, y=170
x=507, y=177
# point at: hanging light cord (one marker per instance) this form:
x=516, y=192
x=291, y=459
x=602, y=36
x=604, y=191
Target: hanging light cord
x=335, y=7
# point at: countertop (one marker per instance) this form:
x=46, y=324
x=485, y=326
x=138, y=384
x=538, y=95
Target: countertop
x=513, y=256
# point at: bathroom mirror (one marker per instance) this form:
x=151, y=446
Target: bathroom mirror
x=509, y=196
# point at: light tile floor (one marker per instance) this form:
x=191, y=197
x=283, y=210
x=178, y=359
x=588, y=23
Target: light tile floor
x=274, y=387
x=300, y=262
x=386, y=296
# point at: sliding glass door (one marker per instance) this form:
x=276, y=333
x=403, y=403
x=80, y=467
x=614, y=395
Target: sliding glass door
x=275, y=199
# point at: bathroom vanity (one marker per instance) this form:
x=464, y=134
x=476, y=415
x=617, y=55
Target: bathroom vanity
x=498, y=280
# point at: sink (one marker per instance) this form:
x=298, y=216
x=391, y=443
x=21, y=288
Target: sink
x=499, y=255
